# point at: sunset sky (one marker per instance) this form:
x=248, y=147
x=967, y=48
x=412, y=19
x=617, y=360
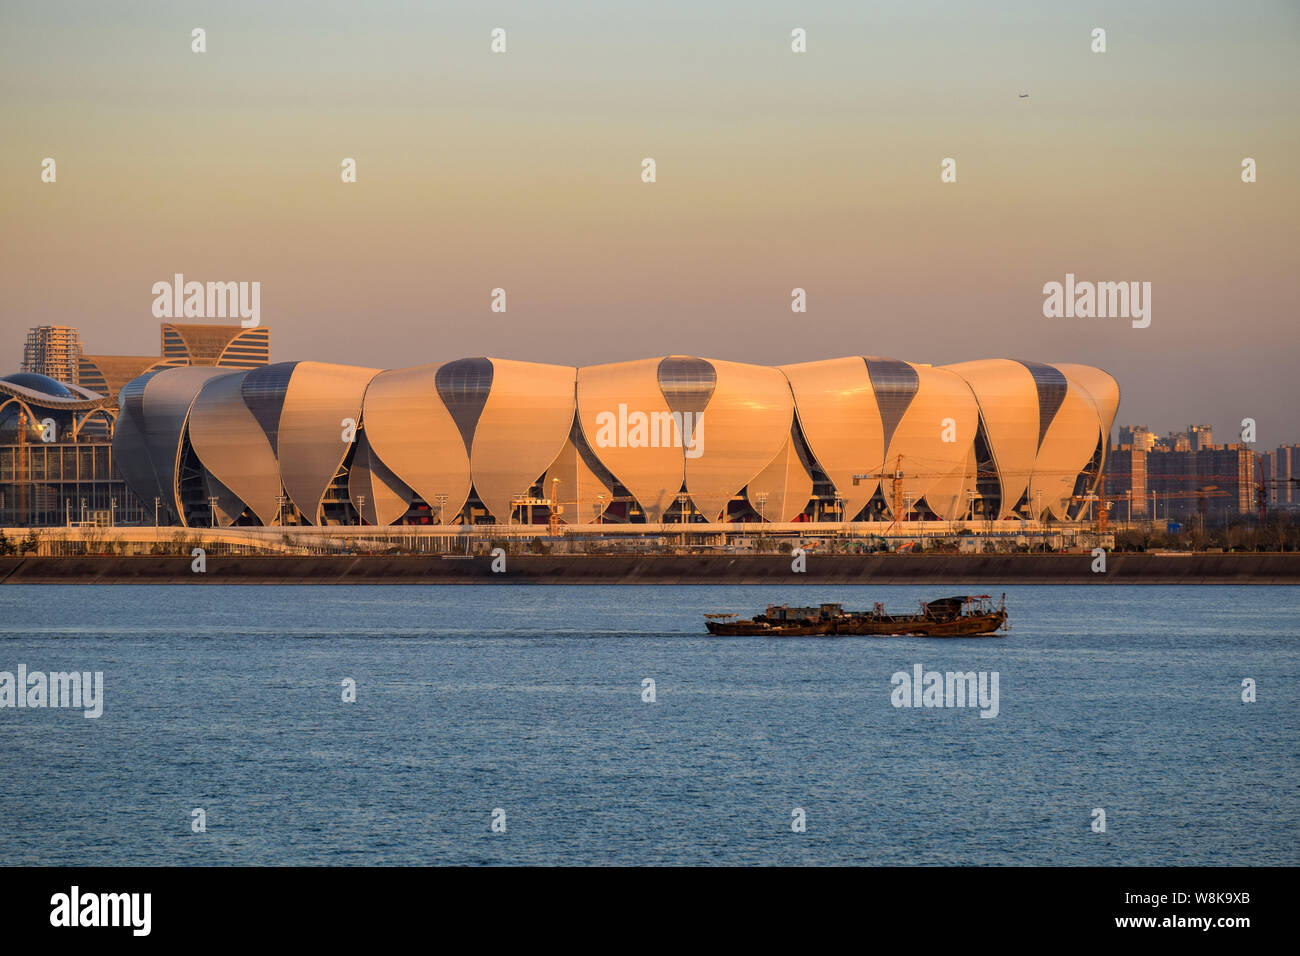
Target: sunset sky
x=775, y=170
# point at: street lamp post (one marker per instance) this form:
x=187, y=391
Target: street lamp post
x=156, y=502
x=361, y=510
x=212, y=510
x=682, y=499
x=1038, y=516
x=83, y=511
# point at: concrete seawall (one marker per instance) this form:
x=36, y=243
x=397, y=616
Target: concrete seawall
x=973, y=570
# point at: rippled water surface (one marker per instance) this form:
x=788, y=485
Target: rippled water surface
x=529, y=699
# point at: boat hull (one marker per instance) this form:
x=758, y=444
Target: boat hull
x=987, y=623
x=757, y=629
x=973, y=625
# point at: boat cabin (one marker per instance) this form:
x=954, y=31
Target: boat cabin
x=783, y=613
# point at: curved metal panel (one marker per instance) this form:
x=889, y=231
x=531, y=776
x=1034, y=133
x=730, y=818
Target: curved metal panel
x=784, y=486
x=581, y=493
x=933, y=467
x=130, y=453
x=164, y=408
x=309, y=436
x=739, y=432
x=250, y=348
x=1008, y=403
x=624, y=414
x=410, y=430
x=233, y=447
x=1067, y=448
x=1051, y=386
x=386, y=496
x=687, y=383
x=895, y=384
x=464, y=386
x=131, y=459
x=1102, y=387
x=951, y=497
x=264, y=390
x=840, y=419
x=229, y=505
x=523, y=425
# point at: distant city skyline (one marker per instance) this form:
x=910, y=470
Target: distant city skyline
x=178, y=355
x=775, y=170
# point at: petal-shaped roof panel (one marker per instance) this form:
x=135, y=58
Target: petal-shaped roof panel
x=310, y=433
x=1008, y=403
x=164, y=407
x=523, y=425
x=130, y=453
x=410, y=430
x=1067, y=448
x=741, y=429
x=1101, y=386
x=233, y=446
x=625, y=419
x=840, y=419
x=935, y=468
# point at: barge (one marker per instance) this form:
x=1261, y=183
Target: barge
x=971, y=615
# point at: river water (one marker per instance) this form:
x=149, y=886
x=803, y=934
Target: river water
x=527, y=705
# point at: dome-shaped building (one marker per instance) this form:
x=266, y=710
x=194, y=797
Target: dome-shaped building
x=656, y=440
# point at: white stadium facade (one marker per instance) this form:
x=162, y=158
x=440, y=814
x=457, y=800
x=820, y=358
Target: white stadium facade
x=658, y=440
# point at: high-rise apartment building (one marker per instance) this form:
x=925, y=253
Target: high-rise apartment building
x=1200, y=436
x=53, y=351
x=1281, y=469
x=1138, y=437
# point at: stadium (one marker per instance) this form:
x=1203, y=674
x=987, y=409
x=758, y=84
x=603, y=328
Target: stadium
x=654, y=441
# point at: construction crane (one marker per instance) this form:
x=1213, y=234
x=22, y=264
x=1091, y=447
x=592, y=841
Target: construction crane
x=1104, y=502
x=895, y=491
x=1101, y=516
x=1202, y=495
x=896, y=476
x=556, y=509
x=1261, y=495
x=1101, y=513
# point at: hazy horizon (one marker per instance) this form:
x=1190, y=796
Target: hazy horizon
x=775, y=170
